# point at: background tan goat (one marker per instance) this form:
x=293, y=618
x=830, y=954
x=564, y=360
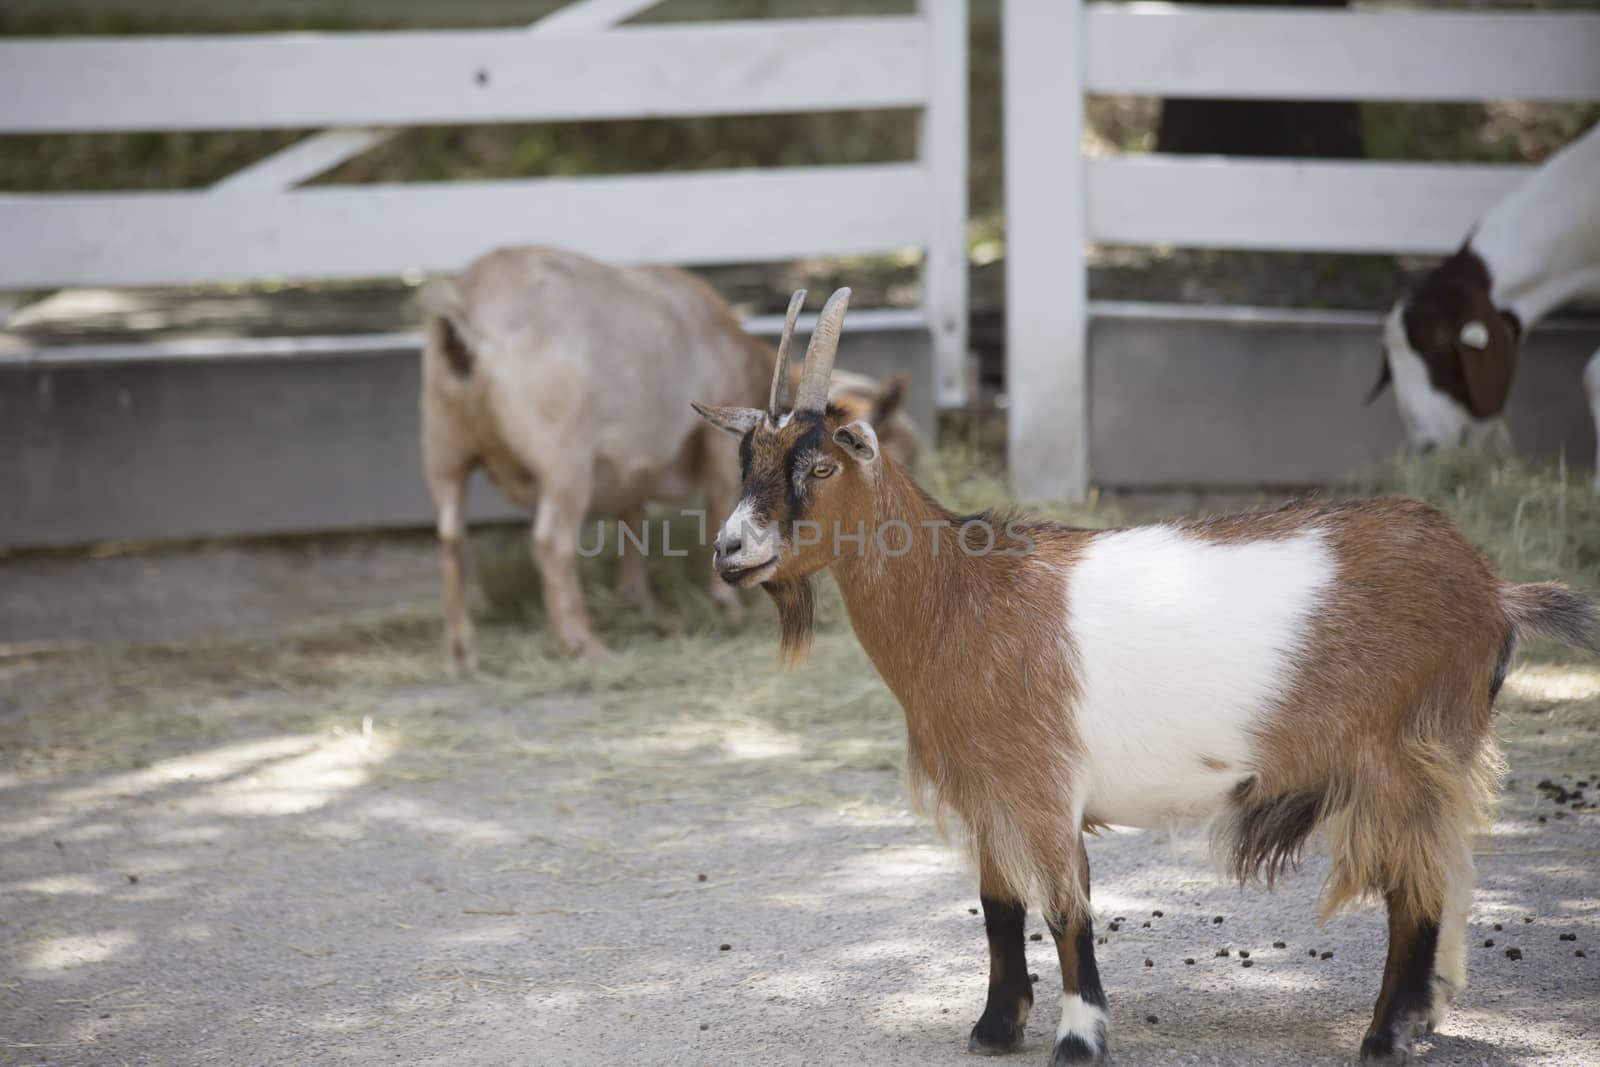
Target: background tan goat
x=569, y=381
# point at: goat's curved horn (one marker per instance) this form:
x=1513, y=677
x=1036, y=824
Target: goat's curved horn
x=1475, y=334
x=818, y=369
x=778, y=398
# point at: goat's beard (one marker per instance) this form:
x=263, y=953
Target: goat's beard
x=796, y=618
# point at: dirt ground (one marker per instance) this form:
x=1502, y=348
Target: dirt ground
x=245, y=819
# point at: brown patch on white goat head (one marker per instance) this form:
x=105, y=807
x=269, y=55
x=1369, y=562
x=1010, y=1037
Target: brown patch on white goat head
x=806, y=492
x=1467, y=346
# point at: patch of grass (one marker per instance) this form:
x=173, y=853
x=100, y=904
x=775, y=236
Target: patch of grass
x=1534, y=521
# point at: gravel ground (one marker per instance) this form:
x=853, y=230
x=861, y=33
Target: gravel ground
x=369, y=871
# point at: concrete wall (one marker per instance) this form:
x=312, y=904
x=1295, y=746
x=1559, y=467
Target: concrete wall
x=1238, y=398
x=265, y=437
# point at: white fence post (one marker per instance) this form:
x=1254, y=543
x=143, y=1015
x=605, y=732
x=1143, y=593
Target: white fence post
x=1046, y=279
x=943, y=150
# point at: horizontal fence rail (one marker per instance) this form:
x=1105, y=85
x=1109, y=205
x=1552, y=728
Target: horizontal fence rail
x=1252, y=52
x=356, y=231
x=476, y=76
x=1299, y=205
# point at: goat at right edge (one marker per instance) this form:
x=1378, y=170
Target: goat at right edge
x=1451, y=347
x=1323, y=665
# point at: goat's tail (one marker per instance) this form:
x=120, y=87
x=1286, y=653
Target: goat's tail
x=450, y=332
x=1553, y=610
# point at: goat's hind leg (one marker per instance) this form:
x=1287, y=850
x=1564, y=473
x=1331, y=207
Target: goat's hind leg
x=1427, y=884
x=1406, y=999
x=448, y=486
x=1005, y=1012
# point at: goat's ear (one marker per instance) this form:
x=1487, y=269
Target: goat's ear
x=859, y=439
x=737, y=421
x=1486, y=345
x=1384, y=378
x=891, y=398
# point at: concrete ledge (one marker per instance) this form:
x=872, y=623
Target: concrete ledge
x=1184, y=396
x=256, y=436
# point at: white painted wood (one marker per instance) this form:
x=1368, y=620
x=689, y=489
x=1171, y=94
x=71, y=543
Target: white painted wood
x=590, y=16
x=368, y=231
x=303, y=160
x=1162, y=50
x=1046, y=280
x=475, y=76
x=943, y=149
x=321, y=152
x=312, y=346
x=1322, y=206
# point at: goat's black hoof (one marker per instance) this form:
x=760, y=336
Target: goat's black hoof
x=1380, y=1048
x=995, y=1038
x=1075, y=1051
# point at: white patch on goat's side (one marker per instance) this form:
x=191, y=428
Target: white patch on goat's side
x=1082, y=1020
x=1183, y=645
x=1429, y=416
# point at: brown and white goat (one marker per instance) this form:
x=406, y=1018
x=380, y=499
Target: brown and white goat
x=1319, y=666
x=1451, y=347
x=568, y=380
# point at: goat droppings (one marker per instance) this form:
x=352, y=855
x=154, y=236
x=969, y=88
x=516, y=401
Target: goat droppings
x=1513, y=953
x=1280, y=944
x=1035, y=937
x=1247, y=963
x=1189, y=960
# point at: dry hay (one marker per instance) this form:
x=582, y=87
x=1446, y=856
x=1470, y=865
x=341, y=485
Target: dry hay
x=685, y=688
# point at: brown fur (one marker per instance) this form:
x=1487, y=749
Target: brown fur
x=1383, y=741
x=1382, y=738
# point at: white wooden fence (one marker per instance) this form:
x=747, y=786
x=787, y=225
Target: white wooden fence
x=570, y=66
x=1059, y=51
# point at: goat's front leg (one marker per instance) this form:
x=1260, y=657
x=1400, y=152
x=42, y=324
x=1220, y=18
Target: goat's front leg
x=721, y=484
x=1081, y=1037
x=633, y=582
x=563, y=504
x=1005, y=1013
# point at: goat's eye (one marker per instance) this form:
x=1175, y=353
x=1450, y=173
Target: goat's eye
x=821, y=470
